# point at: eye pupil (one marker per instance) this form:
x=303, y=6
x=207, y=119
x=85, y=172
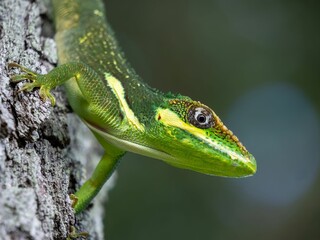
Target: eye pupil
x=201, y=119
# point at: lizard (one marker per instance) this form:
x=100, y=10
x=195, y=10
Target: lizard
x=122, y=111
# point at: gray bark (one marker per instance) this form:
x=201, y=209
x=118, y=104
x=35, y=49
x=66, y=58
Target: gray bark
x=42, y=148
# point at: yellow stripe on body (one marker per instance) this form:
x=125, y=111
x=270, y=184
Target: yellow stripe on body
x=170, y=118
x=119, y=92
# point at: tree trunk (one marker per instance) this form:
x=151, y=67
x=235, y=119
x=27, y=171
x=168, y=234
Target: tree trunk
x=42, y=148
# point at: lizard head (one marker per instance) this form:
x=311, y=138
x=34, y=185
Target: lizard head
x=183, y=133
x=195, y=138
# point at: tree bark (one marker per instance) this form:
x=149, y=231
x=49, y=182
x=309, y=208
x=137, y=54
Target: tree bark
x=42, y=148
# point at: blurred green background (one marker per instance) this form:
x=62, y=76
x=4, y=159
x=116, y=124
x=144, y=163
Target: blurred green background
x=256, y=63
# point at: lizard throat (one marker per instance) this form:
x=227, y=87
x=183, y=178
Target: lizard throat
x=131, y=146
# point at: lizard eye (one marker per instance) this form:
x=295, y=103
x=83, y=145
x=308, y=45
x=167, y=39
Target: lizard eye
x=200, y=117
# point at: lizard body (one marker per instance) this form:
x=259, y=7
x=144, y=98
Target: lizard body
x=123, y=112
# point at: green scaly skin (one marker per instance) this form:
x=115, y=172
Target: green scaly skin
x=123, y=112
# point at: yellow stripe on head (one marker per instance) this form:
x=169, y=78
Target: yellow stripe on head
x=170, y=118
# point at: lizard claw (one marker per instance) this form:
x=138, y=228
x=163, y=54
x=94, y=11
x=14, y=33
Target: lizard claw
x=74, y=234
x=23, y=69
x=74, y=200
x=45, y=93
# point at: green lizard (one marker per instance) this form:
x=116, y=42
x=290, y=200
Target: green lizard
x=123, y=112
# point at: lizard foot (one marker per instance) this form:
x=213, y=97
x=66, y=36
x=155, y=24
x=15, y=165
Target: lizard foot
x=37, y=80
x=74, y=234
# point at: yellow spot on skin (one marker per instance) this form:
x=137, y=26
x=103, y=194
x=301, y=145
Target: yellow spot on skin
x=82, y=39
x=97, y=12
x=85, y=37
x=118, y=90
